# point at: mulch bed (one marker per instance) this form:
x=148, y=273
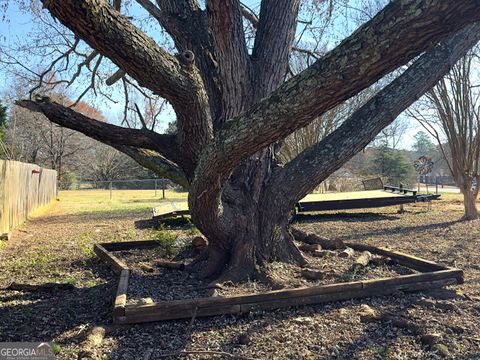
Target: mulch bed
x=331, y=331
x=162, y=284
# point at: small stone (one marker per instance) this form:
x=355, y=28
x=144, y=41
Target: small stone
x=441, y=350
x=430, y=339
x=302, y=320
x=367, y=314
x=311, y=274
x=199, y=243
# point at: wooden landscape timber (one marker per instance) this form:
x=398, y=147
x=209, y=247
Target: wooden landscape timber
x=432, y=275
x=169, y=214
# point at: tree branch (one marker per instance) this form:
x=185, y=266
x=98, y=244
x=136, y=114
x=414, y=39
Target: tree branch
x=392, y=38
x=112, y=35
x=312, y=166
x=107, y=133
x=273, y=42
x=155, y=162
x=225, y=25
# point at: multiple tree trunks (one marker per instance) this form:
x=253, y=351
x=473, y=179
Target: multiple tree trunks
x=435, y=276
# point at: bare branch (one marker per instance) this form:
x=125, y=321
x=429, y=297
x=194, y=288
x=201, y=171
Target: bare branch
x=115, y=77
x=112, y=35
x=104, y=132
x=140, y=116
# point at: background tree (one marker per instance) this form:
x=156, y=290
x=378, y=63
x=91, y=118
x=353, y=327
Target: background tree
x=392, y=134
x=456, y=120
x=3, y=129
x=423, y=145
x=227, y=88
x=393, y=166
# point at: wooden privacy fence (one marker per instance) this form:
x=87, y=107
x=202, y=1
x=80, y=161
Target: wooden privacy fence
x=23, y=188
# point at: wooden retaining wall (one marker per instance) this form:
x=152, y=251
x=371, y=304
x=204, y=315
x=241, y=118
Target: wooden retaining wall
x=23, y=189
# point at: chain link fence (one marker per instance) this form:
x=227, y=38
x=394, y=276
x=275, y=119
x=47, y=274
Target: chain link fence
x=157, y=186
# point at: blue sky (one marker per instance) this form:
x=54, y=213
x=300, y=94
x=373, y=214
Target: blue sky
x=17, y=25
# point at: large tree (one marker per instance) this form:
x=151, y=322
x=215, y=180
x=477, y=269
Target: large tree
x=233, y=105
x=450, y=112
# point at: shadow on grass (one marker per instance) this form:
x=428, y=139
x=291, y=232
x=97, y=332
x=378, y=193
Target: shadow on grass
x=46, y=315
x=178, y=222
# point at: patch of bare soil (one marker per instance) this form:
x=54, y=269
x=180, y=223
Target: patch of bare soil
x=429, y=325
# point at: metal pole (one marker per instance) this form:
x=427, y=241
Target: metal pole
x=163, y=189
x=110, y=190
x=155, y=187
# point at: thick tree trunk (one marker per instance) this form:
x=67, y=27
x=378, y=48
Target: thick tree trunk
x=252, y=234
x=469, y=202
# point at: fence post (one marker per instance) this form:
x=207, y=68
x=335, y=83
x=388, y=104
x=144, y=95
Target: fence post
x=155, y=187
x=436, y=185
x=401, y=210
x=163, y=188
x=110, y=190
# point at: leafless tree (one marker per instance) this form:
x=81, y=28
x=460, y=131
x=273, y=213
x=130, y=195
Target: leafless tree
x=232, y=104
x=450, y=112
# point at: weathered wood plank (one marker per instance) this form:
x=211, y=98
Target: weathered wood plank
x=129, y=245
x=437, y=276
x=181, y=311
x=169, y=214
x=115, y=263
x=121, y=296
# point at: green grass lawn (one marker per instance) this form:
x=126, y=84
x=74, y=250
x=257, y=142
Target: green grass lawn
x=142, y=201
x=122, y=201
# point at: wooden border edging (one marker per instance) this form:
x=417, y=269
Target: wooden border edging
x=432, y=275
x=116, y=264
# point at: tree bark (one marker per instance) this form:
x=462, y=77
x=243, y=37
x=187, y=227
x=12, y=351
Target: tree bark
x=232, y=106
x=469, y=200
x=470, y=205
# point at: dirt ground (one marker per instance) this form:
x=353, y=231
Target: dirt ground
x=56, y=246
